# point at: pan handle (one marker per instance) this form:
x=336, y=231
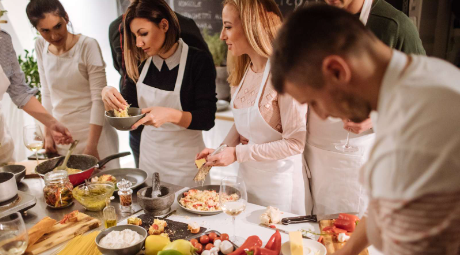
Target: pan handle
x=104, y=161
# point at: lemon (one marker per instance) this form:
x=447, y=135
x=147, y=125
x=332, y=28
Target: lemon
x=155, y=243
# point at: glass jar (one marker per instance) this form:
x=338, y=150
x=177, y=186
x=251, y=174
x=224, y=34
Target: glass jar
x=110, y=216
x=126, y=195
x=58, y=189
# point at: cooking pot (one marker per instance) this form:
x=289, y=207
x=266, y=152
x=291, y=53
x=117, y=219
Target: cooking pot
x=8, y=186
x=86, y=163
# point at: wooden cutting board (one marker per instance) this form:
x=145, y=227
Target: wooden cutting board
x=332, y=245
x=30, y=167
x=64, y=232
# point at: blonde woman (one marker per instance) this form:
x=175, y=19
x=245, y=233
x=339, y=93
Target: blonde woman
x=269, y=132
x=175, y=88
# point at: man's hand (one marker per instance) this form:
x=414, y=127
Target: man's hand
x=59, y=133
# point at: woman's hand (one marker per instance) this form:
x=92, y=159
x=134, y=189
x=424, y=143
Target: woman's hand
x=113, y=99
x=204, y=153
x=157, y=116
x=357, y=128
x=224, y=158
x=91, y=150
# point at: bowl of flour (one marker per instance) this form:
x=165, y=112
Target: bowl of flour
x=121, y=240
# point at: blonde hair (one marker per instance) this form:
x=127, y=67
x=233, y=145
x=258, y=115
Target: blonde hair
x=261, y=20
x=154, y=11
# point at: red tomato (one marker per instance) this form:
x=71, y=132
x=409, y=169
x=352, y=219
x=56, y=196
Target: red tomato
x=345, y=224
x=204, y=239
x=199, y=248
x=212, y=236
x=349, y=217
x=208, y=246
x=224, y=237
x=193, y=241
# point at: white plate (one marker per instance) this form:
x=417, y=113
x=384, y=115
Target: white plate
x=310, y=247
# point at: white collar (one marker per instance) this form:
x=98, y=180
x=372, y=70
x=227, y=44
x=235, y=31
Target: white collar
x=172, y=61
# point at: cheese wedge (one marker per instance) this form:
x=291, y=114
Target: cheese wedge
x=200, y=162
x=295, y=239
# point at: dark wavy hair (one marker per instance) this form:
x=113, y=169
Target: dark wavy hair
x=36, y=10
x=154, y=11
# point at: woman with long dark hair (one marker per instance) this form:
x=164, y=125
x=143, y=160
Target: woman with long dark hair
x=72, y=74
x=175, y=87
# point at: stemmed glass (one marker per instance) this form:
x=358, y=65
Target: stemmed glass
x=233, y=199
x=347, y=147
x=13, y=235
x=33, y=138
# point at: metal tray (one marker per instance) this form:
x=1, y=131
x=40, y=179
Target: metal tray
x=135, y=175
x=205, y=187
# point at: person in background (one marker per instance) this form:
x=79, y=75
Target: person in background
x=268, y=136
x=175, y=88
x=334, y=171
x=13, y=82
x=72, y=74
x=189, y=33
x=341, y=69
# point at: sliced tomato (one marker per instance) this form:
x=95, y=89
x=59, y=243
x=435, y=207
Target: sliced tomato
x=320, y=239
x=349, y=217
x=328, y=228
x=346, y=225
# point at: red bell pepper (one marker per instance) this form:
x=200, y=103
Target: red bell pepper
x=252, y=241
x=320, y=239
x=261, y=251
x=349, y=217
x=345, y=224
x=274, y=243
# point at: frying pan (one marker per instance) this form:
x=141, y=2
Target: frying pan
x=86, y=163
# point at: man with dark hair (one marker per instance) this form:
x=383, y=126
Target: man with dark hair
x=333, y=168
x=340, y=69
x=190, y=34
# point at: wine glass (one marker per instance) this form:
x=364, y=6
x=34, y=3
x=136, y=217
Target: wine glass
x=347, y=147
x=13, y=235
x=233, y=199
x=33, y=138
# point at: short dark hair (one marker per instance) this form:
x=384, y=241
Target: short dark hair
x=36, y=10
x=308, y=36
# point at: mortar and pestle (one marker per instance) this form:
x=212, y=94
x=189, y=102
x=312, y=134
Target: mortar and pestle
x=156, y=200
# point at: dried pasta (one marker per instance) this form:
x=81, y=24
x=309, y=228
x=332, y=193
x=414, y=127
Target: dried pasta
x=82, y=244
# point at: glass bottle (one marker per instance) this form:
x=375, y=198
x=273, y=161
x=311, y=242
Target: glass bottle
x=126, y=195
x=110, y=216
x=58, y=189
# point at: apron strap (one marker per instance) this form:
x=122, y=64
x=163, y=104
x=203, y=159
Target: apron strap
x=262, y=84
x=239, y=88
x=183, y=62
x=145, y=69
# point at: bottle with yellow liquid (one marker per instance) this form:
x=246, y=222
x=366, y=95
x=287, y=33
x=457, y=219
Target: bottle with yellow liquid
x=110, y=216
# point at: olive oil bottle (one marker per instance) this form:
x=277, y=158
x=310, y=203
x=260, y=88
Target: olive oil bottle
x=110, y=216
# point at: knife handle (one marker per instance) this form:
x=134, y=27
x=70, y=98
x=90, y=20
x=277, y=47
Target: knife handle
x=300, y=219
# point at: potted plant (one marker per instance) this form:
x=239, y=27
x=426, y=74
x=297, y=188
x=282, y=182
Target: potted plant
x=218, y=50
x=29, y=66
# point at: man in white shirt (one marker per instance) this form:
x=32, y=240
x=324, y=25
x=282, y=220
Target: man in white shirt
x=337, y=66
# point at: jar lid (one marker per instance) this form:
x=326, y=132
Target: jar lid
x=124, y=184
x=56, y=175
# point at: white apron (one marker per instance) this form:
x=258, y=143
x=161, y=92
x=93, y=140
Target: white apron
x=169, y=149
x=7, y=144
x=334, y=175
x=278, y=183
x=71, y=110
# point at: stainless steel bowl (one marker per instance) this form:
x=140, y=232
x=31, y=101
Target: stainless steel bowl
x=8, y=186
x=124, y=124
x=133, y=249
x=19, y=171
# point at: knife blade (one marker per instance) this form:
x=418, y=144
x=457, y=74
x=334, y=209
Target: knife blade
x=299, y=219
x=280, y=230
x=333, y=216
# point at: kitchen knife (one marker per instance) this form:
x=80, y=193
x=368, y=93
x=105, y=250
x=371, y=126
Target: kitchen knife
x=280, y=230
x=333, y=216
x=299, y=219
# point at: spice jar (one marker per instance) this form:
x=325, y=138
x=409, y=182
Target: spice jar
x=126, y=195
x=58, y=189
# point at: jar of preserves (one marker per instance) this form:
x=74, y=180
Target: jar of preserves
x=58, y=189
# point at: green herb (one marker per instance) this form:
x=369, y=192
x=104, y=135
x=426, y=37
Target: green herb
x=306, y=232
x=2, y=12
x=216, y=46
x=29, y=66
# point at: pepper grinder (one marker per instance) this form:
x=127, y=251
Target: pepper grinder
x=126, y=195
